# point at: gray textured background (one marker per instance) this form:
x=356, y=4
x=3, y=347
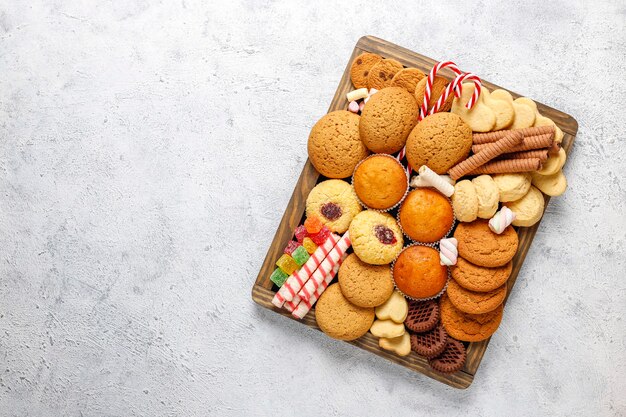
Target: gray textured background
x=148, y=149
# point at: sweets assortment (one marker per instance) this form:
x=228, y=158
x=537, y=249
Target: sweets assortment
x=484, y=162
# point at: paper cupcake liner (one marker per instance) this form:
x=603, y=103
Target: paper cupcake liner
x=408, y=188
x=440, y=293
x=454, y=223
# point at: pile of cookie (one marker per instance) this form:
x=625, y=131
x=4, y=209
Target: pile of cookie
x=422, y=262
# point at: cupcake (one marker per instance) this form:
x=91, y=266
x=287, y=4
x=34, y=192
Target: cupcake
x=334, y=203
x=426, y=215
x=380, y=181
x=376, y=237
x=418, y=274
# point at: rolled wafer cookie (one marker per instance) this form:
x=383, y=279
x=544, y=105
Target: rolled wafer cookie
x=555, y=148
x=482, y=138
x=527, y=144
x=507, y=166
x=432, y=178
x=542, y=154
x=491, y=150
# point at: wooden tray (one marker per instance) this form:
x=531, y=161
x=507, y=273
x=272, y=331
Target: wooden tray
x=262, y=292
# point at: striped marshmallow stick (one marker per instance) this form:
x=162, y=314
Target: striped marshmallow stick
x=448, y=252
x=456, y=86
x=294, y=283
x=501, y=220
x=305, y=306
x=327, y=265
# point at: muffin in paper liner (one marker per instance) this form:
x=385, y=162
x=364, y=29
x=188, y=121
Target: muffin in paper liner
x=406, y=192
x=448, y=233
x=440, y=293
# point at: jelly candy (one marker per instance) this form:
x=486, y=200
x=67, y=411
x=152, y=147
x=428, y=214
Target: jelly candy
x=321, y=236
x=287, y=264
x=301, y=233
x=300, y=255
x=278, y=277
x=291, y=246
x=313, y=225
x=309, y=245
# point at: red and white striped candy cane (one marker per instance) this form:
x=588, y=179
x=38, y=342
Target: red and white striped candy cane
x=429, y=83
x=456, y=86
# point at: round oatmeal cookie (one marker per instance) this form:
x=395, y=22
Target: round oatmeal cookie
x=361, y=66
x=475, y=302
x=439, y=85
x=387, y=119
x=334, y=203
x=334, y=146
x=363, y=284
x=479, y=278
x=468, y=327
x=339, y=318
x=479, y=245
x=440, y=141
x=381, y=74
x=376, y=237
x=407, y=78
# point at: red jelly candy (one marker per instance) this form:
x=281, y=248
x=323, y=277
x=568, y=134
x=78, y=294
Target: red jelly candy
x=313, y=224
x=320, y=237
x=291, y=246
x=301, y=233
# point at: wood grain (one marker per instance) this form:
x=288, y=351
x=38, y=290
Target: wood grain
x=261, y=291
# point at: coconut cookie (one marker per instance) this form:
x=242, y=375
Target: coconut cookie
x=334, y=203
x=468, y=327
x=376, y=237
x=387, y=119
x=363, y=284
x=479, y=245
x=381, y=74
x=360, y=68
x=512, y=186
x=439, y=141
x=339, y=318
x=528, y=209
x=334, y=145
x=407, y=78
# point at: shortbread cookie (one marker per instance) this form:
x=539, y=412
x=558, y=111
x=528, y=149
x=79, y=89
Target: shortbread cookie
x=479, y=245
x=465, y=201
x=502, y=109
x=339, y=318
x=554, y=163
x=360, y=68
x=480, y=118
x=335, y=146
x=552, y=185
x=439, y=85
x=381, y=74
x=480, y=278
x=528, y=209
x=334, y=203
x=400, y=345
x=387, y=328
x=440, y=142
x=524, y=115
x=541, y=120
x=407, y=78
x=363, y=284
x=488, y=195
x=475, y=302
x=468, y=327
x=512, y=186
x=387, y=119
x=395, y=308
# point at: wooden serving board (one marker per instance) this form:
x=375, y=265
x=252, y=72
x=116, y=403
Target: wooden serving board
x=262, y=292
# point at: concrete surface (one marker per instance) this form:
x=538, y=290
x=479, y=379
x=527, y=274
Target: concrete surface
x=147, y=150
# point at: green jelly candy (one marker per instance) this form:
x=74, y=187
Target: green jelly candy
x=300, y=255
x=278, y=277
x=287, y=264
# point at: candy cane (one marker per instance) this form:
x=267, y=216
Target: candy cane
x=431, y=79
x=456, y=86
x=329, y=263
